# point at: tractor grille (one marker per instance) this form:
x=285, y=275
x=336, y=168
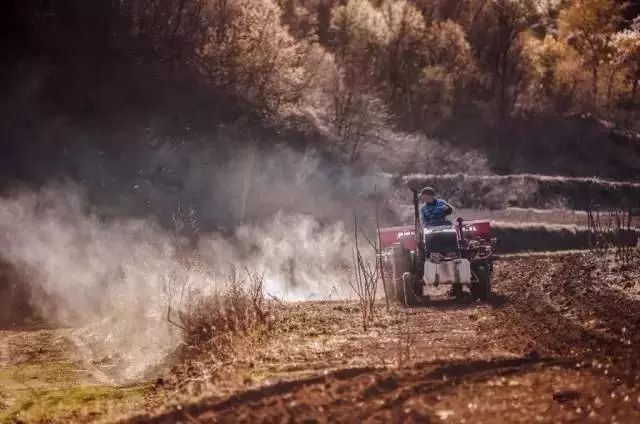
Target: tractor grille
x=441, y=242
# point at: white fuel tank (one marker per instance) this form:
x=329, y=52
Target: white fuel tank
x=447, y=272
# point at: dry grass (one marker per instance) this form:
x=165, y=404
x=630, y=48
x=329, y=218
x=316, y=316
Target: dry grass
x=367, y=274
x=44, y=379
x=209, y=321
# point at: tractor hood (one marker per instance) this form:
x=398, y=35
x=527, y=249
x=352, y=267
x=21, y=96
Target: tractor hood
x=392, y=235
x=406, y=234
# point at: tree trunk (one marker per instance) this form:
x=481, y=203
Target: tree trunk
x=594, y=87
x=504, y=83
x=324, y=22
x=610, y=86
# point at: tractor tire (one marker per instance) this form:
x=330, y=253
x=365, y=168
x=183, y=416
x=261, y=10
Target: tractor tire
x=400, y=264
x=411, y=298
x=388, y=281
x=456, y=291
x=481, y=289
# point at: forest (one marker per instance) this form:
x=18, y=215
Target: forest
x=524, y=82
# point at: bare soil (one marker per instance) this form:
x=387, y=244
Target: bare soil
x=559, y=342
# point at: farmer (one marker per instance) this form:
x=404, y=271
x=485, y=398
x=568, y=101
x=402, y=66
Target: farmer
x=434, y=211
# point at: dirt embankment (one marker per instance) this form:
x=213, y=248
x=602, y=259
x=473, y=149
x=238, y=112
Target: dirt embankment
x=558, y=343
x=528, y=191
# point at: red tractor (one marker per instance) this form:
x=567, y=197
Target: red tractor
x=416, y=257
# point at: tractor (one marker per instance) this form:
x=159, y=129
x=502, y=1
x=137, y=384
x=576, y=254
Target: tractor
x=415, y=258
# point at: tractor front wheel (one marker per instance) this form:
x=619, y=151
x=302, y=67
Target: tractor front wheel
x=481, y=288
x=456, y=291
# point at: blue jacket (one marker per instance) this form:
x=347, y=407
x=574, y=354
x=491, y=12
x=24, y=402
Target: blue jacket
x=435, y=213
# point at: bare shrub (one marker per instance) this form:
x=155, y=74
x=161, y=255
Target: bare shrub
x=366, y=275
x=211, y=319
x=365, y=285
x=612, y=230
x=359, y=118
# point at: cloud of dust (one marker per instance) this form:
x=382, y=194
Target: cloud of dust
x=113, y=274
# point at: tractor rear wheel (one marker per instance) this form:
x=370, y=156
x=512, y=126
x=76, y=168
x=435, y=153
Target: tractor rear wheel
x=388, y=277
x=411, y=298
x=481, y=288
x=400, y=265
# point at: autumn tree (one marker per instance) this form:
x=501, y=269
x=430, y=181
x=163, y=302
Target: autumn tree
x=404, y=52
x=449, y=70
x=301, y=21
x=247, y=50
x=627, y=57
x=359, y=118
x=359, y=34
x=358, y=37
x=500, y=48
x=552, y=81
x=589, y=27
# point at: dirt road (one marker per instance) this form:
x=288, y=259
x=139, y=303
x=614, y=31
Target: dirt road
x=558, y=343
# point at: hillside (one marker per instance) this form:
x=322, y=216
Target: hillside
x=102, y=80
x=193, y=193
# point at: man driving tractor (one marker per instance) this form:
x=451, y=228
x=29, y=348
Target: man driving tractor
x=434, y=211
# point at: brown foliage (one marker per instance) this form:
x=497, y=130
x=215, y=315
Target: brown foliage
x=356, y=70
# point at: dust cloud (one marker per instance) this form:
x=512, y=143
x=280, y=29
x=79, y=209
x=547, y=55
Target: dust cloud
x=114, y=274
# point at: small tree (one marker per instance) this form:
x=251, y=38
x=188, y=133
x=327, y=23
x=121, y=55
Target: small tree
x=627, y=57
x=359, y=117
x=449, y=69
x=553, y=75
x=507, y=21
x=404, y=51
x=589, y=27
x=246, y=50
x=359, y=33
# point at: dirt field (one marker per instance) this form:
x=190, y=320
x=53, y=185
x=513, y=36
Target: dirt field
x=559, y=342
